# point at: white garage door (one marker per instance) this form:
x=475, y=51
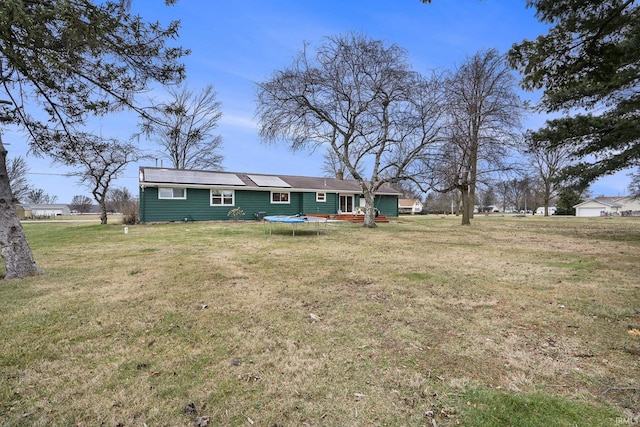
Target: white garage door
x=588, y=211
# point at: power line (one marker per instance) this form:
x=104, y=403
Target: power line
x=69, y=175
x=49, y=173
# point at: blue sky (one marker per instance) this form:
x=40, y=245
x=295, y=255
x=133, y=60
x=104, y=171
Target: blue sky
x=235, y=44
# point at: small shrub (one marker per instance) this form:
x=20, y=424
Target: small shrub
x=235, y=213
x=130, y=219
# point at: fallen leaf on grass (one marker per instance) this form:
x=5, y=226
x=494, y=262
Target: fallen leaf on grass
x=201, y=422
x=250, y=377
x=633, y=331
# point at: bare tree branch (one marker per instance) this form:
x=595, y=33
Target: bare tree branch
x=184, y=127
x=361, y=100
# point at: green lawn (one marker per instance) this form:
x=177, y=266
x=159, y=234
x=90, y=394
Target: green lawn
x=509, y=322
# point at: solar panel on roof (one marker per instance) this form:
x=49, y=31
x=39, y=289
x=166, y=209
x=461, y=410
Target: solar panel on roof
x=268, y=181
x=191, y=177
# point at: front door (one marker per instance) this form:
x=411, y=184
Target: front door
x=346, y=203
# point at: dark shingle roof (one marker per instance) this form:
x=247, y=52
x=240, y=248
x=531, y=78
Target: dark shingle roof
x=157, y=176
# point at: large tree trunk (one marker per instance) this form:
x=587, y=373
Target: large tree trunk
x=15, y=251
x=467, y=206
x=103, y=211
x=472, y=201
x=473, y=174
x=369, y=211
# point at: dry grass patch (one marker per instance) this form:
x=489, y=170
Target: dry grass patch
x=417, y=319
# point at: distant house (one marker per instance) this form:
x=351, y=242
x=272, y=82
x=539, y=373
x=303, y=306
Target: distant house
x=540, y=210
x=35, y=211
x=179, y=195
x=409, y=206
x=608, y=206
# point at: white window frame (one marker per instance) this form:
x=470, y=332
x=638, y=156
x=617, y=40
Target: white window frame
x=321, y=196
x=222, y=197
x=351, y=207
x=286, y=202
x=173, y=196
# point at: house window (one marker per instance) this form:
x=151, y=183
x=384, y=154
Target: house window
x=321, y=197
x=172, y=193
x=279, y=197
x=222, y=197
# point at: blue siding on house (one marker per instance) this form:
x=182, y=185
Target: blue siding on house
x=197, y=205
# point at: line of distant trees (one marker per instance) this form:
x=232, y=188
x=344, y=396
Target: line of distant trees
x=118, y=200
x=517, y=194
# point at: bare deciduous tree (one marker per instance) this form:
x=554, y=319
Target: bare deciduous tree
x=634, y=185
x=81, y=203
x=443, y=203
x=520, y=193
x=334, y=168
x=98, y=162
x=548, y=162
x=39, y=196
x=484, y=114
x=361, y=99
x=121, y=200
x=184, y=128
x=17, y=170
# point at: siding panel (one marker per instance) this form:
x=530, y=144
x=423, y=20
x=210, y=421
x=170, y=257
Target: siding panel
x=387, y=205
x=197, y=205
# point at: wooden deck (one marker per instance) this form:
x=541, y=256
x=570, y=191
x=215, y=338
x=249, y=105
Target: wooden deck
x=358, y=219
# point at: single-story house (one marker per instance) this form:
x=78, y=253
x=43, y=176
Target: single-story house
x=192, y=195
x=409, y=206
x=608, y=206
x=30, y=211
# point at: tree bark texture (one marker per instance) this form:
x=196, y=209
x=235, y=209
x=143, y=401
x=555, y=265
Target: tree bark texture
x=103, y=211
x=15, y=251
x=467, y=206
x=369, y=210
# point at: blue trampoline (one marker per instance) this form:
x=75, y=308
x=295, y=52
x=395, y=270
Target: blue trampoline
x=295, y=220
